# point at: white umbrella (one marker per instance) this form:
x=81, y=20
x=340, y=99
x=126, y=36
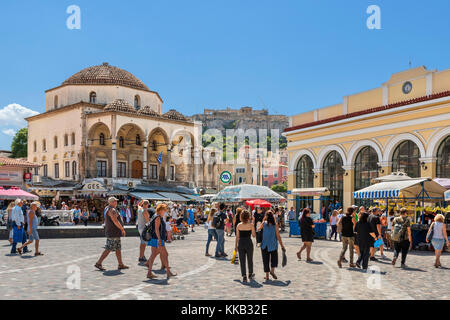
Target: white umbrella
x=247, y=192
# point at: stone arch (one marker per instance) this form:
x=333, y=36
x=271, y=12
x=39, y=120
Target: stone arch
x=95, y=130
x=436, y=141
x=297, y=156
x=324, y=152
x=129, y=131
x=357, y=146
x=396, y=140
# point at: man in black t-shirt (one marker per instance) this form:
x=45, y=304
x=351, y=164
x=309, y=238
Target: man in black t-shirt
x=220, y=217
x=375, y=223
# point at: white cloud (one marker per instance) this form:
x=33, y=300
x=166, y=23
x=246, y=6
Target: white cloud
x=14, y=115
x=9, y=132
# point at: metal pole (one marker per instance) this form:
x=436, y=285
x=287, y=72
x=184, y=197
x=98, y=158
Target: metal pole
x=423, y=201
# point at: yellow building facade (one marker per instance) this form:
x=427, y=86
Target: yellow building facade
x=404, y=125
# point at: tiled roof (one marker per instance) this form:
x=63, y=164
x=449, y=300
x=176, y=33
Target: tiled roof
x=19, y=162
x=371, y=110
x=148, y=112
x=120, y=105
x=106, y=74
x=174, y=115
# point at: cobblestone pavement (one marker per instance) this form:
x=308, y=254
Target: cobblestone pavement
x=53, y=276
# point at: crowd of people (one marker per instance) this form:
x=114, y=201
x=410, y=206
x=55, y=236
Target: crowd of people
x=362, y=232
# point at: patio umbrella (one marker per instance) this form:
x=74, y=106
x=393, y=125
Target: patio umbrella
x=258, y=203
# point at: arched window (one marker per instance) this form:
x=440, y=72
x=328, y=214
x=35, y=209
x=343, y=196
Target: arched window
x=73, y=138
x=34, y=146
x=55, y=142
x=304, y=173
x=443, y=159
x=74, y=169
x=102, y=139
x=155, y=145
x=66, y=140
x=55, y=102
x=333, y=176
x=92, y=97
x=406, y=158
x=121, y=142
x=137, y=102
x=366, y=167
x=138, y=140
x=44, y=145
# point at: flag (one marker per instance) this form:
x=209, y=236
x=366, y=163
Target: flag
x=160, y=157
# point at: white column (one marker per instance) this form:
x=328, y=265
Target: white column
x=144, y=164
x=114, y=158
x=168, y=164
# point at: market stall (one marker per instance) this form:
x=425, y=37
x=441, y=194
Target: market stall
x=241, y=193
x=14, y=193
x=320, y=194
x=258, y=203
x=398, y=190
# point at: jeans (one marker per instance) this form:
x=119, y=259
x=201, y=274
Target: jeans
x=211, y=233
x=24, y=239
x=364, y=254
x=403, y=247
x=271, y=257
x=245, y=249
x=220, y=241
x=333, y=231
x=347, y=242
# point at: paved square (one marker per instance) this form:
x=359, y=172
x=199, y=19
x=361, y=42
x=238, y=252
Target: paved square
x=200, y=277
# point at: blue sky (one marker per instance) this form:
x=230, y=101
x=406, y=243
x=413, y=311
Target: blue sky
x=288, y=56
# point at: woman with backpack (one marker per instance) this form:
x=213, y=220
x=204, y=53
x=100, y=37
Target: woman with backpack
x=159, y=237
x=401, y=236
x=438, y=235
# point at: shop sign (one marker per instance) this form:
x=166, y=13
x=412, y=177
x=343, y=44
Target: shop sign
x=94, y=186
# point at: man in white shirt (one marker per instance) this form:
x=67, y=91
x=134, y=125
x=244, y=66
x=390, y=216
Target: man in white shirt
x=18, y=223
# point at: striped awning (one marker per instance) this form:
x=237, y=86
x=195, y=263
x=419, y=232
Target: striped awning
x=148, y=196
x=447, y=195
x=411, y=188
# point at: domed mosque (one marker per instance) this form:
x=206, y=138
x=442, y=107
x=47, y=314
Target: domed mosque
x=104, y=123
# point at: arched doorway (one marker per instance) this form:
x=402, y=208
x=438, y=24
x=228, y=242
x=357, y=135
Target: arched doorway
x=333, y=178
x=406, y=158
x=304, y=177
x=443, y=159
x=366, y=169
x=136, y=169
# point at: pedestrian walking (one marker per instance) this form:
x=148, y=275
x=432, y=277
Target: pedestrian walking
x=333, y=223
x=401, y=236
x=237, y=218
x=114, y=230
x=219, y=224
x=211, y=230
x=32, y=230
x=366, y=237
x=257, y=220
x=159, y=237
x=269, y=246
x=307, y=231
x=347, y=223
x=144, y=215
x=190, y=217
x=9, y=222
x=18, y=223
x=375, y=222
x=244, y=245
x=438, y=235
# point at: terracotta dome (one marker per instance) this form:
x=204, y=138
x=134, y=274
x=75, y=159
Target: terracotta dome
x=174, y=115
x=106, y=74
x=148, y=112
x=120, y=105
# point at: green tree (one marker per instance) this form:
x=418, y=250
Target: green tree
x=19, y=145
x=282, y=187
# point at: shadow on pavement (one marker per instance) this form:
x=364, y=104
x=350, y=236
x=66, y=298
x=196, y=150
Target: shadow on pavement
x=277, y=283
x=314, y=262
x=112, y=273
x=161, y=282
x=414, y=269
x=252, y=284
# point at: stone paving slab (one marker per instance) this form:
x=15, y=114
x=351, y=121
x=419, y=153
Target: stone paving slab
x=52, y=276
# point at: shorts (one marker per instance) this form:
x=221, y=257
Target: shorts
x=113, y=244
x=154, y=243
x=34, y=235
x=438, y=244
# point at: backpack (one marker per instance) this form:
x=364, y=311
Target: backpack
x=217, y=220
x=149, y=229
x=398, y=231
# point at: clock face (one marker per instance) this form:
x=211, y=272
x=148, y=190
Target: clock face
x=407, y=87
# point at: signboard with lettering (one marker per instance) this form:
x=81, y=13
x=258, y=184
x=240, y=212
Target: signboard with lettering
x=11, y=176
x=94, y=186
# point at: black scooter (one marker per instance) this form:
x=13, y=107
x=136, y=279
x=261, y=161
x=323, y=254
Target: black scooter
x=46, y=221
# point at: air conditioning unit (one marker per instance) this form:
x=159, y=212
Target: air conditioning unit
x=191, y=184
x=131, y=184
x=37, y=179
